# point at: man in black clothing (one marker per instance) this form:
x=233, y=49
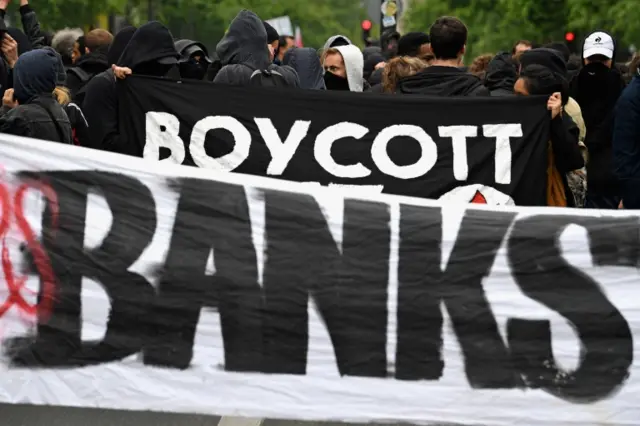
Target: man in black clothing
x=194, y=59
x=448, y=36
x=597, y=88
x=150, y=51
x=91, y=63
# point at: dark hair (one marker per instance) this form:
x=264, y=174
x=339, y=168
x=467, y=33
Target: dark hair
x=410, y=43
x=448, y=37
x=272, y=34
x=540, y=80
x=525, y=42
x=282, y=43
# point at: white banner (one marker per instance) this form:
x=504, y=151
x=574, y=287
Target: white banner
x=171, y=288
x=283, y=25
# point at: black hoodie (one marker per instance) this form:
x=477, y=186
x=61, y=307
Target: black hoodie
x=307, y=64
x=90, y=64
x=243, y=50
x=501, y=75
x=442, y=81
x=140, y=52
x=597, y=88
x=150, y=51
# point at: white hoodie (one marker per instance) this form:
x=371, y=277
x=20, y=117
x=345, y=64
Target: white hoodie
x=354, y=65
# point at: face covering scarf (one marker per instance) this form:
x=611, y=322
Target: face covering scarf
x=193, y=70
x=334, y=82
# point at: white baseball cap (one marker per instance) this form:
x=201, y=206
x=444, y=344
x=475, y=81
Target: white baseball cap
x=598, y=43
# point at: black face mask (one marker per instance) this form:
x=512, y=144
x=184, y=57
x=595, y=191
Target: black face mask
x=152, y=69
x=193, y=69
x=334, y=82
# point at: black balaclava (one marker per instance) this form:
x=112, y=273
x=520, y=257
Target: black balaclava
x=334, y=82
x=193, y=69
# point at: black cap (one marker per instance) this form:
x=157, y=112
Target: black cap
x=272, y=34
x=409, y=44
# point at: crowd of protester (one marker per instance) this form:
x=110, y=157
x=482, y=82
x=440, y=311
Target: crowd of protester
x=63, y=87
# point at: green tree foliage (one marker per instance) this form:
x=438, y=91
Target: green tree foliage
x=207, y=20
x=495, y=25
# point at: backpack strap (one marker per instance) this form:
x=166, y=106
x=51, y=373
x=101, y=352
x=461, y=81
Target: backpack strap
x=55, y=122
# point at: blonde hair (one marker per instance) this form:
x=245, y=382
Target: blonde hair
x=398, y=68
x=480, y=64
x=327, y=52
x=62, y=95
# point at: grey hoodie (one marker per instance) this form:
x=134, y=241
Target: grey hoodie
x=332, y=40
x=354, y=65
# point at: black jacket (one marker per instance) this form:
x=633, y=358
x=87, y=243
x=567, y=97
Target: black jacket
x=91, y=64
x=442, y=81
x=79, y=125
x=566, y=152
x=100, y=108
x=243, y=50
x=152, y=41
x=37, y=119
x=596, y=89
x=307, y=64
x=501, y=75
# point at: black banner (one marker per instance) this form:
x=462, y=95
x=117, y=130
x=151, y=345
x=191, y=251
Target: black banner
x=482, y=150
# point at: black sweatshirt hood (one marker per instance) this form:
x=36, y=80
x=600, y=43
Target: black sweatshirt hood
x=186, y=48
x=440, y=81
x=245, y=42
x=119, y=43
x=501, y=73
x=307, y=64
x=152, y=42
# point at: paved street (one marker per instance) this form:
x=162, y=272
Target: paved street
x=28, y=415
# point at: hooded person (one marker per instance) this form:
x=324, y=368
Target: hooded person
x=372, y=63
x=448, y=36
x=566, y=185
x=343, y=67
x=389, y=42
x=100, y=104
x=597, y=88
x=336, y=40
x=194, y=59
x=79, y=125
x=307, y=64
x=243, y=51
x=501, y=75
x=369, y=51
x=151, y=51
x=30, y=109
x=554, y=61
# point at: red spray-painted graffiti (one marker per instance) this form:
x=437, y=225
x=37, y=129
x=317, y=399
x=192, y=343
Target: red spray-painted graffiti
x=15, y=285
